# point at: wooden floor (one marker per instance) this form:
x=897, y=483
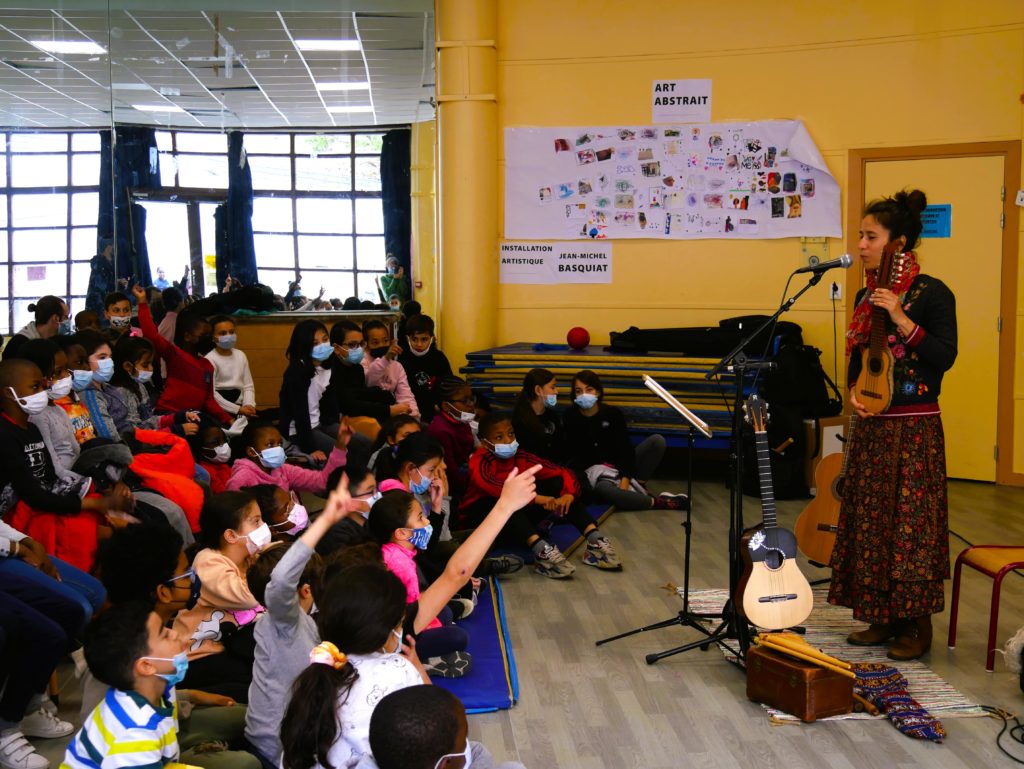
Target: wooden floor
x=583, y=707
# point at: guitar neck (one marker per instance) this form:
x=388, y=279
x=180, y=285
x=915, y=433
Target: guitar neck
x=764, y=472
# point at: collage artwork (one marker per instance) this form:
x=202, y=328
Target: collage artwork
x=718, y=180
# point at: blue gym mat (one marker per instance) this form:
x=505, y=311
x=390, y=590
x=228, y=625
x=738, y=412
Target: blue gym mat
x=492, y=683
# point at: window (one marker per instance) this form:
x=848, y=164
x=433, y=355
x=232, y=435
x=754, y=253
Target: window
x=317, y=211
x=49, y=203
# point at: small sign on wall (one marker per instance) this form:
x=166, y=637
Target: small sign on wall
x=681, y=101
x=937, y=221
x=555, y=263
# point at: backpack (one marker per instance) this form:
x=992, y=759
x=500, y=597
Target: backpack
x=798, y=380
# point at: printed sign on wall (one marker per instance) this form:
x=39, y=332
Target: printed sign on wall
x=681, y=101
x=715, y=180
x=551, y=263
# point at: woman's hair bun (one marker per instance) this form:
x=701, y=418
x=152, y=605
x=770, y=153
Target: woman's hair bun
x=32, y=307
x=914, y=200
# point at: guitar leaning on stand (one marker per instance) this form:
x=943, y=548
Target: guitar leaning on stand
x=816, y=527
x=874, y=385
x=773, y=592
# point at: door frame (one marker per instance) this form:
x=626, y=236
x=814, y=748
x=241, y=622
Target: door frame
x=1010, y=151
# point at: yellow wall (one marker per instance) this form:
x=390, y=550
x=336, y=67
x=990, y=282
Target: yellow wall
x=875, y=73
x=424, y=209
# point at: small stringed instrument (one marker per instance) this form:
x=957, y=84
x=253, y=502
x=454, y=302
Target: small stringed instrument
x=775, y=593
x=816, y=526
x=874, y=384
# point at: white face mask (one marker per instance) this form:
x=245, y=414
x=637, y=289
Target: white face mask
x=221, y=454
x=419, y=353
x=466, y=755
x=60, y=388
x=32, y=404
x=257, y=539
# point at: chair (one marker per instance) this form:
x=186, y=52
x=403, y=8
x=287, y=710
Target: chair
x=995, y=561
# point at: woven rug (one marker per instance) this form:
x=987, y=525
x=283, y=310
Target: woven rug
x=827, y=628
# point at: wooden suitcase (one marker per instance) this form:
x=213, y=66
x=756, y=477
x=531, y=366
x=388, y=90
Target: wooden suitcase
x=798, y=688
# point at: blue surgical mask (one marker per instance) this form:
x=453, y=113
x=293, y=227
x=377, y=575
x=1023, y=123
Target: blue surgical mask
x=421, y=537
x=421, y=486
x=356, y=355
x=505, y=450
x=65, y=328
x=81, y=380
x=322, y=351
x=550, y=400
x=180, y=661
x=143, y=376
x=586, y=401
x=227, y=341
x=104, y=370
x=273, y=457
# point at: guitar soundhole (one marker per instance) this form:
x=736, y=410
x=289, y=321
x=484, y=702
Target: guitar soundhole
x=875, y=366
x=774, y=559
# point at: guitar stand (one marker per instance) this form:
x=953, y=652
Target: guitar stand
x=686, y=618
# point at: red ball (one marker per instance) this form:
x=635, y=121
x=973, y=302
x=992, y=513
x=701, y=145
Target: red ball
x=578, y=338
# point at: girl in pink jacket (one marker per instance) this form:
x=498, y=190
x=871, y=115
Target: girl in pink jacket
x=264, y=461
x=381, y=367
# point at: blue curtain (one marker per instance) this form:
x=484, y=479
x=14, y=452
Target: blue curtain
x=395, y=193
x=236, y=253
x=137, y=164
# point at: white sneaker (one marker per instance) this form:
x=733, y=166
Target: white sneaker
x=17, y=753
x=43, y=723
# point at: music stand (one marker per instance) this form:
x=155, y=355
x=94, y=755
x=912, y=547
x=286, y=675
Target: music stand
x=684, y=617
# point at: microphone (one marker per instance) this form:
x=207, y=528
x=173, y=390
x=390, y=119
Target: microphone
x=843, y=261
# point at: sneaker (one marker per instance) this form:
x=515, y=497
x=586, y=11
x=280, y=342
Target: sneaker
x=454, y=665
x=667, y=501
x=500, y=564
x=461, y=607
x=17, y=753
x=43, y=723
x=551, y=563
x=601, y=554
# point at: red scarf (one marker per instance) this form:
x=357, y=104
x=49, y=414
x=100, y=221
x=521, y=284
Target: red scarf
x=857, y=335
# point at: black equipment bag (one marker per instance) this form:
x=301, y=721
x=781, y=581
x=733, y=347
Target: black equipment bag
x=798, y=380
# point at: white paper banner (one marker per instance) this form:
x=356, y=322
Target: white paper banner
x=547, y=263
x=715, y=180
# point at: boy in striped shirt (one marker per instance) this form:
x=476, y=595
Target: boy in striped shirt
x=136, y=724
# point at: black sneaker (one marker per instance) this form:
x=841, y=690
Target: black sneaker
x=454, y=665
x=667, y=501
x=500, y=564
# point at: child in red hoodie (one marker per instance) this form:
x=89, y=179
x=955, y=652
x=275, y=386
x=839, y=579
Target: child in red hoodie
x=212, y=452
x=189, y=385
x=558, y=494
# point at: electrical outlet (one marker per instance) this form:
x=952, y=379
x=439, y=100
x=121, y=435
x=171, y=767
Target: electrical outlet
x=836, y=291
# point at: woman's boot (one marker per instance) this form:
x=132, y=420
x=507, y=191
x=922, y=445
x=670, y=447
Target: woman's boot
x=914, y=639
x=873, y=635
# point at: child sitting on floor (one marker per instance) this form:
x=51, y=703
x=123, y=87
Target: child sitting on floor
x=309, y=407
x=233, y=388
x=392, y=432
x=212, y=452
x=382, y=367
x=351, y=530
x=265, y=461
x=425, y=365
x=282, y=511
x=560, y=496
x=453, y=428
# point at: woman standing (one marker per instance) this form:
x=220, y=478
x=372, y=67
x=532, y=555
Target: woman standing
x=892, y=545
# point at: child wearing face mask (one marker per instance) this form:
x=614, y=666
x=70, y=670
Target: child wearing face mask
x=233, y=388
x=603, y=456
x=425, y=365
x=127, y=394
x=453, y=429
x=382, y=367
x=117, y=312
x=355, y=399
x=559, y=496
x=233, y=532
x=81, y=378
x=362, y=620
x=351, y=529
x=212, y=452
x=282, y=511
x=536, y=422
x=265, y=461
x=189, y=385
x=93, y=395
x=309, y=406
x=286, y=579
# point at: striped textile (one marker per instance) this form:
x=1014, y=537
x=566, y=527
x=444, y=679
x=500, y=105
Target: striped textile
x=124, y=730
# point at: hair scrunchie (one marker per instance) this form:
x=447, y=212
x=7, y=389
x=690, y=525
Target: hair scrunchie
x=326, y=653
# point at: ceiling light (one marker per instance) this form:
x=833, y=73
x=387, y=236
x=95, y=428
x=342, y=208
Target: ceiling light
x=131, y=87
x=69, y=46
x=157, y=108
x=350, y=109
x=363, y=86
x=328, y=45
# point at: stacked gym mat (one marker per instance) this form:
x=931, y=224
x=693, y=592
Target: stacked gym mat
x=498, y=373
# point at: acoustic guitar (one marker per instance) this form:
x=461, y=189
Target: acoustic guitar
x=775, y=593
x=874, y=384
x=816, y=526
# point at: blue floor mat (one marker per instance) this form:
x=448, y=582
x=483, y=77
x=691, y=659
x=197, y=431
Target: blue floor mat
x=492, y=683
x=565, y=537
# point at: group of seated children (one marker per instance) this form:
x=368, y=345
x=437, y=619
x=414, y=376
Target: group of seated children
x=138, y=455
